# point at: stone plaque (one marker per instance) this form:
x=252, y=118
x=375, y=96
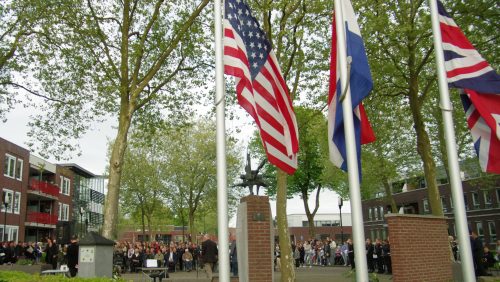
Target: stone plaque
x=87, y=254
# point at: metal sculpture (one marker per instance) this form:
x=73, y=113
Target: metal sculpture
x=251, y=177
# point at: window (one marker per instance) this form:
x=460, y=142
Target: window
x=63, y=212
x=65, y=186
x=59, y=211
x=422, y=183
x=488, y=201
x=10, y=164
x=443, y=204
x=8, y=197
x=10, y=234
x=451, y=203
x=17, y=202
x=375, y=211
x=466, y=203
x=480, y=231
x=493, y=231
x=426, y=205
x=475, y=200
x=382, y=213
x=370, y=214
x=19, y=169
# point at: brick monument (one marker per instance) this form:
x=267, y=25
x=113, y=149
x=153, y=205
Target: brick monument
x=420, y=249
x=254, y=239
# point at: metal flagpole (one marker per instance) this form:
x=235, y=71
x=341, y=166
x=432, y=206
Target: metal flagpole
x=358, y=232
x=222, y=209
x=455, y=180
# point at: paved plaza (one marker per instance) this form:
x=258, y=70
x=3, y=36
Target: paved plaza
x=316, y=274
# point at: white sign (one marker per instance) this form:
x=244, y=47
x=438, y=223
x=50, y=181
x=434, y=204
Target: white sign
x=87, y=254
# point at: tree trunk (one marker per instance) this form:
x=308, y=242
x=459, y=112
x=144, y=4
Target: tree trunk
x=286, y=257
x=192, y=230
x=388, y=195
x=424, y=149
x=115, y=174
x=143, y=224
x=150, y=230
x=310, y=215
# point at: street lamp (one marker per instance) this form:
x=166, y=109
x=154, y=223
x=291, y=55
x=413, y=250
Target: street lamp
x=82, y=210
x=341, y=202
x=6, y=201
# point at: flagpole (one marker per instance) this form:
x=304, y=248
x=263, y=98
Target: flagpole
x=222, y=209
x=455, y=180
x=358, y=232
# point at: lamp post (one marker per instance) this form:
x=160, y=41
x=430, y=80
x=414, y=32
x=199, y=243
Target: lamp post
x=82, y=210
x=341, y=202
x=6, y=200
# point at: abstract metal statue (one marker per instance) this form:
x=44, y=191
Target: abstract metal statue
x=251, y=177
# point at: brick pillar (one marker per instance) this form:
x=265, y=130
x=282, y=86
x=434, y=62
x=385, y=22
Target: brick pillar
x=419, y=248
x=255, y=239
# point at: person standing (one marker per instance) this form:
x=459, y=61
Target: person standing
x=51, y=253
x=477, y=253
x=209, y=254
x=378, y=255
x=350, y=253
x=369, y=255
x=72, y=256
x=233, y=255
x=386, y=253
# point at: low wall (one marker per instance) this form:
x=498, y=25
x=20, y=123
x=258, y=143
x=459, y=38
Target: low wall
x=419, y=248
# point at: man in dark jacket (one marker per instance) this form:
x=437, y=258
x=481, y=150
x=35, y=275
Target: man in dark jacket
x=72, y=256
x=477, y=253
x=209, y=254
x=369, y=255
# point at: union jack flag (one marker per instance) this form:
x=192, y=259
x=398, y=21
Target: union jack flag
x=467, y=70
x=260, y=86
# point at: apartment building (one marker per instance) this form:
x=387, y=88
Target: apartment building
x=41, y=199
x=481, y=196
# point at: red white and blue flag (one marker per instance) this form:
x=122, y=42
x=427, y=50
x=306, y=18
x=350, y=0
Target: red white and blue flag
x=360, y=84
x=467, y=70
x=260, y=86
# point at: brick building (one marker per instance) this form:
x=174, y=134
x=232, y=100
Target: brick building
x=481, y=197
x=325, y=225
x=39, y=198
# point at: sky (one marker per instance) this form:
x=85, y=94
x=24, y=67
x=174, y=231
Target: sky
x=94, y=153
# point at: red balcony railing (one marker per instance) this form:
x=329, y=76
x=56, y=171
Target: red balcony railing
x=44, y=187
x=41, y=217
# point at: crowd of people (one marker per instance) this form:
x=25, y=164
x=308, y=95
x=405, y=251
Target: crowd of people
x=48, y=252
x=327, y=252
x=130, y=257
x=186, y=256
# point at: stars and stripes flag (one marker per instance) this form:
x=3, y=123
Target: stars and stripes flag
x=260, y=86
x=466, y=69
x=360, y=84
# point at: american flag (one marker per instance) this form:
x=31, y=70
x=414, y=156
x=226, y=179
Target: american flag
x=261, y=89
x=466, y=69
x=360, y=84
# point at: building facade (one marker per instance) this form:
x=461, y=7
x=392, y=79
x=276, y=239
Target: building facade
x=325, y=225
x=481, y=197
x=41, y=199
